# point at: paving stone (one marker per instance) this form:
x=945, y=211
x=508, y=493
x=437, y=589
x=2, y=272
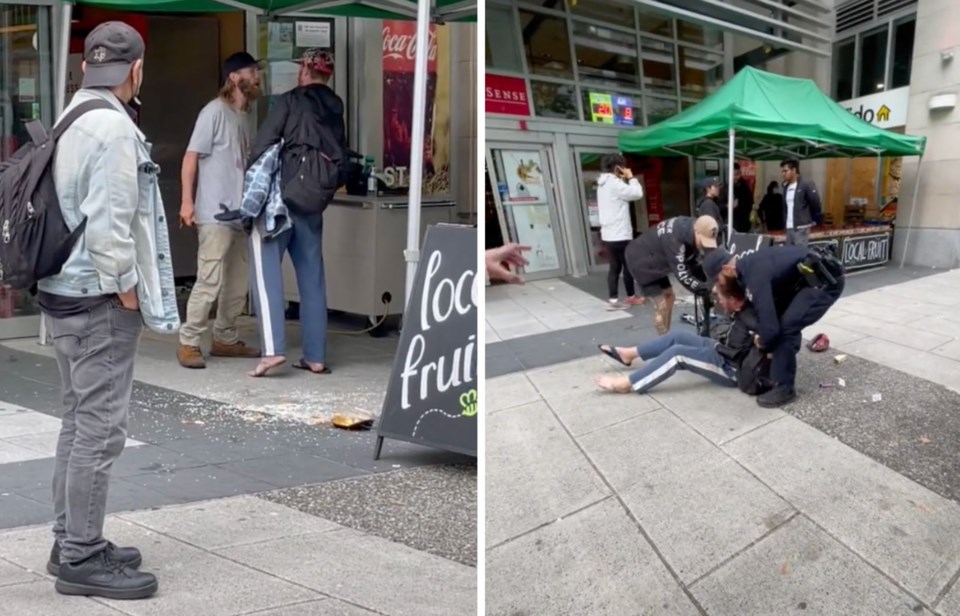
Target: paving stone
x=534, y=472
x=798, y=569
x=40, y=599
x=12, y=574
x=152, y=459
x=586, y=410
x=950, y=604
x=914, y=338
x=904, y=529
x=925, y=365
x=229, y=447
x=323, y=607
x=592, y=562
x=19, y=424
x=292, y=470
x=201, y=483
x=17, y=510
x=212, y=525
x=11, y=452
x=350, y=566
x=509, y=391
x=121, y=496
x=697, y=505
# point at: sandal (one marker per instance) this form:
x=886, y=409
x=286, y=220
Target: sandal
x=612, y=353
x=303, y=365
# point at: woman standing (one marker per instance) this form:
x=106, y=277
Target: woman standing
x=615, y=189
x=772, y=208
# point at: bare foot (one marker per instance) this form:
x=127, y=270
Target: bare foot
x=266, y=365
x=614, y=384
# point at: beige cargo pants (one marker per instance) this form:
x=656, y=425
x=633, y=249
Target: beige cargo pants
x=222, y=277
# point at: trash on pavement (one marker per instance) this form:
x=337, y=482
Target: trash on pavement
x=876, y=397
x=352, y=422
x=826, y=385
x=925, y=440
x=840, y=359
x=841, y=382
x=819, y=344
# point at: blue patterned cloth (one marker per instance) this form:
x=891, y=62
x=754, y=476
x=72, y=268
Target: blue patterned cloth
x=262, y=196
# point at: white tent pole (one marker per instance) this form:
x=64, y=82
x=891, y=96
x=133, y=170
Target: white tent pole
x=913, y=208
x=412, y=253
x=733, y=134
x=63, y=57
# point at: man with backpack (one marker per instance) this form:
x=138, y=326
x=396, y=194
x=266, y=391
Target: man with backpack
x=215, y=162
x=118, y=276
x=308, y=121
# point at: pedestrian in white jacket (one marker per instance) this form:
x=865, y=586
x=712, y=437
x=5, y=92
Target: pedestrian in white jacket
x=616, y=188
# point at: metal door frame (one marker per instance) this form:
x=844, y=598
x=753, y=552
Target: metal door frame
x=506, y=222
x=584, y=211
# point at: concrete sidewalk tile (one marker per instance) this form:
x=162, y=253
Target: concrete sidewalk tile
x=594, y=562
x=296, y=469
x=904, y=529
x=45, y=443
x=19, y=424
x=950, y=605
x=698, y=506
x=321, y=607
x=858, y=304
x=510, y=332
x=718, y=413
x=938, y=325
x=951, y=351
x=884, y=302
x=568, y=377
x=193, y=581
x=349, y=565
x=201, y=483
x=800, y=568
x=534, y=472
x=17, y=510
x=509, y=391
x=900, y=334
x=930, y=366
x=40, y=599
x=11, y=452
x=12, y=574
x=228, y=522
x=928, y=294
x=587, y=411
x=152, y=459
x=219, y=449
x=839, y=337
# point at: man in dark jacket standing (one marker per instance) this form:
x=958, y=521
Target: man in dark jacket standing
x=802, y=202
x=742, y=201
x=299, y=117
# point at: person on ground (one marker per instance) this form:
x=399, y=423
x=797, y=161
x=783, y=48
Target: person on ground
x=742, y=201
x=673, y=247
x=214, y=164
x=118, y=277
x=718, y=359
x=802, y=208
x=772, y=208
x=791, y=288
x=616, y=188
x=497, y=260
x=306, y=118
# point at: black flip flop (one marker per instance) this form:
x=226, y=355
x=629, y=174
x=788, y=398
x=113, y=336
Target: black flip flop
x=303, y=365
x=612, y=353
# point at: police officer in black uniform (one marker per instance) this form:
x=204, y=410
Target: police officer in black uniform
x=791, y=287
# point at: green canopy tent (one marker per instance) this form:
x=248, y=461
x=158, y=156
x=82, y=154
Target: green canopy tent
x=423, y=11
x=763, y=116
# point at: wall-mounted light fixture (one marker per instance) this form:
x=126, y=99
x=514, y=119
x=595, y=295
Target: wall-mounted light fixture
x=942, y=102
x=946, y=55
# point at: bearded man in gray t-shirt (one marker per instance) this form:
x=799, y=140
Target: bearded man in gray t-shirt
x=215, y=163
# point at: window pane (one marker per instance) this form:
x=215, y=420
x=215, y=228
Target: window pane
x=843, y=71
x=699, y=35
x=873, y=60
x=604, y=55
x=658, y=74
x=606, y=107
x=502, y=52
x=700, y=73
x=604, y=10
x=902, y=53
x=659, y=109
x=654, y=23
x=546, y=43
x=554, y=100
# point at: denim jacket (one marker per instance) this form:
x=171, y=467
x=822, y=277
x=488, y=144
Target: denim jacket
x=103, y=172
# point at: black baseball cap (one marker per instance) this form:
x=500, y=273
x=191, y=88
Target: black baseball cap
x=714, y=261
x=110, y=50
x=711, y=182
x=238, y=62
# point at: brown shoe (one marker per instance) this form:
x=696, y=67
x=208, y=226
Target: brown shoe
x=191, y=357
x=237, y=349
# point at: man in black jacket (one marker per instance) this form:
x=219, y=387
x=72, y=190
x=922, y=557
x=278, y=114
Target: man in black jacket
x=791, y=288
x=801, y=202
x=672, y=247
x=302, y=118
x=721, y=359
x=743, y=201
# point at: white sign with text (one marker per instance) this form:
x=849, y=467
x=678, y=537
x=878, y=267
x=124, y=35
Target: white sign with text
x=883, y=110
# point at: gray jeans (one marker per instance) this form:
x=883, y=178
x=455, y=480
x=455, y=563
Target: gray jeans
x=95, y=355
x=798, y=237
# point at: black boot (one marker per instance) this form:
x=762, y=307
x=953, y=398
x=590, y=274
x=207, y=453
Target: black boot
x=128, y=556
x=102, y=576
x=777, y=397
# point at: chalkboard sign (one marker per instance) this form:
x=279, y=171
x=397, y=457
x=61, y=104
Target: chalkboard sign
x=432, y=394
x=742, y=244
x=866, y=250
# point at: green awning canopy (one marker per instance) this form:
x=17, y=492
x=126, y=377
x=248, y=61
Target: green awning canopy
x=448, y=10
x=774, y=117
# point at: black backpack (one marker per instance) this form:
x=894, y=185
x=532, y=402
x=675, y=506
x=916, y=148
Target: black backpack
x=35, y=241
x=313, y=163
x=753, y=375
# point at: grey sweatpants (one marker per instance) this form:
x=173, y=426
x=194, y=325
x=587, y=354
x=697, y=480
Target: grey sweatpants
x=95, y=355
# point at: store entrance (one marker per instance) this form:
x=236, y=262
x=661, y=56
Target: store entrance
x=522, y=185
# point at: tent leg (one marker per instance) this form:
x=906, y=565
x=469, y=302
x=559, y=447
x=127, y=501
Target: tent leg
x=913, y=208
x=412, y=253
x=63, y=55
x=733, y=135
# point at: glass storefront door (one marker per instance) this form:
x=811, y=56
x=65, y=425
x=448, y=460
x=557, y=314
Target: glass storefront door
x=522, y=184
x=26, y=93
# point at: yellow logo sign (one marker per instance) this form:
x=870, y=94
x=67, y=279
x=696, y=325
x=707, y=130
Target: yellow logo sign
x=883, y=114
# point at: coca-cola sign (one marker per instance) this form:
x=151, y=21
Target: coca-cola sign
x=400, y=46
